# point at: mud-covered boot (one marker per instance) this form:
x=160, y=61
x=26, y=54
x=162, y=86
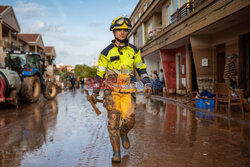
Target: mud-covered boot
x=124, y=137
x=127, y=125
x=115, y=142
x=114, y=135
x=116, y=157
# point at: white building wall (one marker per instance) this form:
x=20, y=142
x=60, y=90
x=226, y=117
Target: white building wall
x=131, y=40
x=153, y=62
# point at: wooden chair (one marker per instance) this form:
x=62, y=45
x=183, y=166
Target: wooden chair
x=224, y=95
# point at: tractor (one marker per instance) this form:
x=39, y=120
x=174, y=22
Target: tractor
x=31, y=68
x=10, y=85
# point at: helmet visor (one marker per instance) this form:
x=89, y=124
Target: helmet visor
x=121, y=21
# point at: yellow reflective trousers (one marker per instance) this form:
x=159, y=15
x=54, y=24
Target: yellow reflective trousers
x=121, y=102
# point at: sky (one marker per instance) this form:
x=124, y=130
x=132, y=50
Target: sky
x=78, y=29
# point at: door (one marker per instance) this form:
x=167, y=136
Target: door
x=193, y=79
x=178, y=71
x=247, y=63
x=244, y=61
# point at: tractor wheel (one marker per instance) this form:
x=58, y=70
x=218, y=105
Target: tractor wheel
x=31, y=89
x=50, y=91
x=14, y=96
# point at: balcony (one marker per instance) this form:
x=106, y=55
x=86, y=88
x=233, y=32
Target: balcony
x=186, y=9
x=152, y=33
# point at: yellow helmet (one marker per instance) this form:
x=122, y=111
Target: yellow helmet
x=120, y=23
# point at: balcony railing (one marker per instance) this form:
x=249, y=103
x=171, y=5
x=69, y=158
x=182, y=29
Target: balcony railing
x=182, y=12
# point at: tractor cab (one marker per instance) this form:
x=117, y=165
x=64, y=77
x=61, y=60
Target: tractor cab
x=25, y=63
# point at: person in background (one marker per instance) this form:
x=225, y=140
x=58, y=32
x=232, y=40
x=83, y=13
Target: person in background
x=82, y=83
x=230, y=72
x=156, y=85
x=162, y=80
x=73, y=82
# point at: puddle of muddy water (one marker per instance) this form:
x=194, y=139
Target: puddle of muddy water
x=67, y=132
x=178, y=136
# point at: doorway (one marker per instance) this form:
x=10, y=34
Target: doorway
x=178, y=71
x=244, y=60
x=220, y=62
x=193, y=79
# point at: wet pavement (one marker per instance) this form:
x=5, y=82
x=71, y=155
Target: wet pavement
x=67, y=132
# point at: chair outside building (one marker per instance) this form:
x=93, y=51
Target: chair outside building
x=225, y=94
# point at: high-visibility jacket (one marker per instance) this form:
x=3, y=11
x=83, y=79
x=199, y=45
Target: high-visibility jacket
x=121, y=60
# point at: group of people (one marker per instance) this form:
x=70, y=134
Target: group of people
x=73, y=82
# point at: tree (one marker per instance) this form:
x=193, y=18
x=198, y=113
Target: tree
x=85, y=71
x=65, y=74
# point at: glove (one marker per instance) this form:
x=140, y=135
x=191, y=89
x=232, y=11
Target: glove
x=94, y=95
x=147, y=90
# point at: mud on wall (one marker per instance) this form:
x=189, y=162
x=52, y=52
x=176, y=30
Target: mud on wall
x=203, y=48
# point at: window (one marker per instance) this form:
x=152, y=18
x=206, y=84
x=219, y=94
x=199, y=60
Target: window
x=18, y=59
x=140, y=37
x=151, y=26
x=169, y=14
x=145, y=6
x=175, y=5
x=32, y=61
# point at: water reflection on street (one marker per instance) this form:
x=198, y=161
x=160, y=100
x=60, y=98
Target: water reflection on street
x=24, y=129
x=194, y=138
x=67, y=132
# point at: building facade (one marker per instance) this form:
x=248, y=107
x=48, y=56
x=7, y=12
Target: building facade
x=35, y=42
x=9, y=27
x=192, y=40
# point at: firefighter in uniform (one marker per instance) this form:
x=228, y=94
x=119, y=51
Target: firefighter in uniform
x=116, y=65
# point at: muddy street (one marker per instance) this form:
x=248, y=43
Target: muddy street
x=67, y=132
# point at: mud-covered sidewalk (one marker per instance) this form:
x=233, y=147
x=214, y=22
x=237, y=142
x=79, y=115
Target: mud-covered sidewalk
x=67, y=132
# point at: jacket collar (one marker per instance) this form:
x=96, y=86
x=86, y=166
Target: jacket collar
x=126, y=44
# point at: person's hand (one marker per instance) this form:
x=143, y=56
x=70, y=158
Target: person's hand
x=147, y=90
x=93, y=98
x=233, y=79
